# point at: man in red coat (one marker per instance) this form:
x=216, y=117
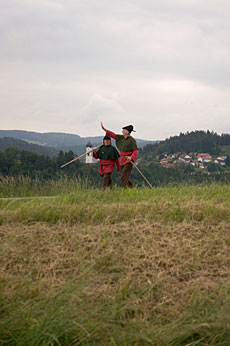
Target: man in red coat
x=128, y=151
x=109, y=157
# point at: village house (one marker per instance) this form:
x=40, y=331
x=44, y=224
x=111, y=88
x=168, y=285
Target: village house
x=164, y=160
x=220, y=160
x=185, y=158
x=204, y=158
x=188, y=158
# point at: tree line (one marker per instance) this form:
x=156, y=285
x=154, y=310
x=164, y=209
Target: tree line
x=16, y=162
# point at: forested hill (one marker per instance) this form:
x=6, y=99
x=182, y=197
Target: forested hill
x=52, y=139
x=34, y=148
x=195, y=141
x=59, y=140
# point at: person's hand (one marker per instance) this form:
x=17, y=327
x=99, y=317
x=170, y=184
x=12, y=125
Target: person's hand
x=103, y=127
x=129, y=158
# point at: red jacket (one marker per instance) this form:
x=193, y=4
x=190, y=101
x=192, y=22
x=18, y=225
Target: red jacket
x=107, y=166
x=123, y=160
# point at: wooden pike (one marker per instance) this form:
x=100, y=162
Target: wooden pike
x=150, y=185
x=79, y=157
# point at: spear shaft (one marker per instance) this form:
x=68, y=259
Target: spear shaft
x=150, y=185
x=79, y=157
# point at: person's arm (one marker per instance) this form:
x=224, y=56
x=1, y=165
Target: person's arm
x=108, y=133
x=111, y=134
x=118, y=165
x=134, y=155
x=102, y=126
x=95, y=154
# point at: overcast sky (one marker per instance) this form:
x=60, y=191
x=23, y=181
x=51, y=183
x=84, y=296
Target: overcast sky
x=163, y=66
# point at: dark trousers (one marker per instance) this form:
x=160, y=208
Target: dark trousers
x=106, y=180
x=125, y=175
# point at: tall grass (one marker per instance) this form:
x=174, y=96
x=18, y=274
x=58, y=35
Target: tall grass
x=22, y=186
x=69, y=318
x=78, y=203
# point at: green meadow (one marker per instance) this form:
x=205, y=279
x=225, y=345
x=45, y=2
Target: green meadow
x=115, y=267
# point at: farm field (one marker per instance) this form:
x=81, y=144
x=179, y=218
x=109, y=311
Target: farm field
x=121, y=267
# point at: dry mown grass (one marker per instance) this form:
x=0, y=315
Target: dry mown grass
x=152, y=273
x=163, y=265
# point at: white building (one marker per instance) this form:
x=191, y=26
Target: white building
x=89, y=157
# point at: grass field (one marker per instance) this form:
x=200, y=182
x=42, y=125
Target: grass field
x=121, y=267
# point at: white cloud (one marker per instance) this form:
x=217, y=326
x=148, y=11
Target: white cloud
x=100, y=106
x=163, y=66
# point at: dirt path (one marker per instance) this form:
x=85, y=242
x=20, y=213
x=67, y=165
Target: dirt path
x=19, y=198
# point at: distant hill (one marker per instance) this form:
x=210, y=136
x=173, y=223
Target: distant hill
x=51, y=139
x=7, y=142
x=51, y=143
x=59, y=140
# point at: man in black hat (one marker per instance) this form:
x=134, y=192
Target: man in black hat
x=128, y=152
x=109, y=157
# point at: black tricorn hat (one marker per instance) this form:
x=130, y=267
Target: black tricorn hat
x=107, y=137
x=129, y=128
